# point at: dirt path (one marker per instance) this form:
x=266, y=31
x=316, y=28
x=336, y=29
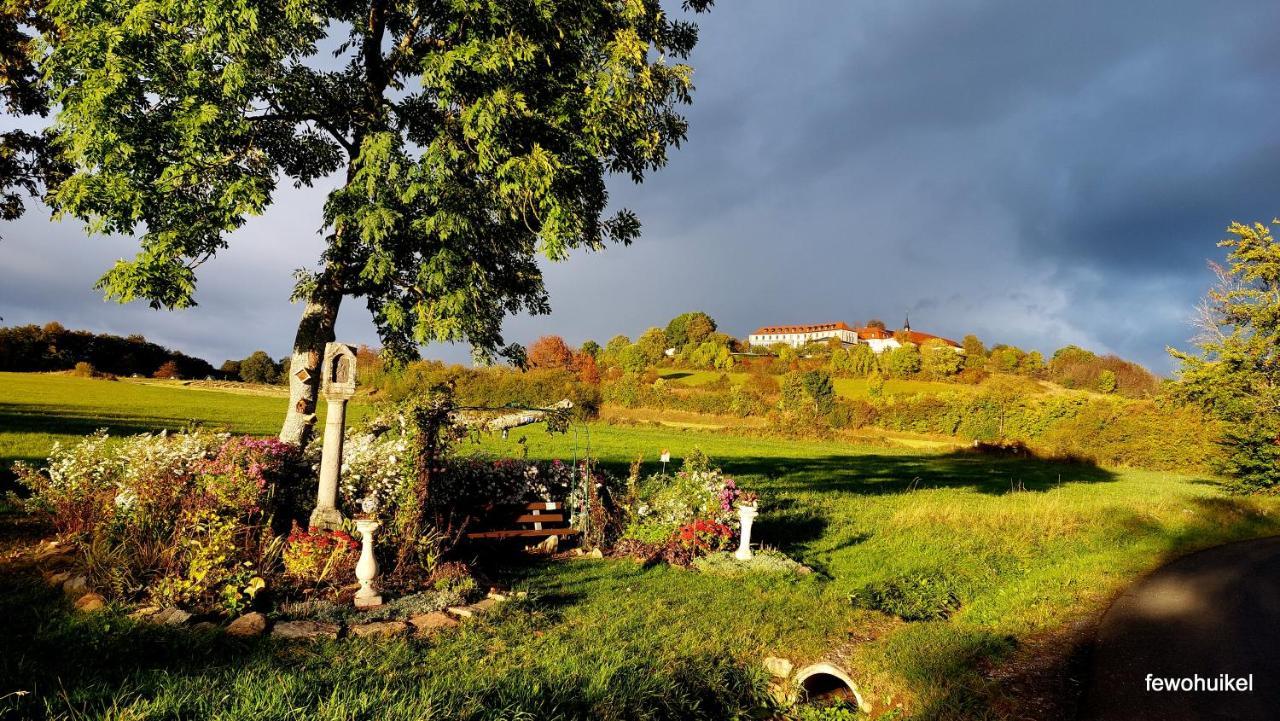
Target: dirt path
x=1211, y=613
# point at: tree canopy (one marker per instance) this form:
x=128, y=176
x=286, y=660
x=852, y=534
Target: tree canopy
x=470, y=138
x=1236, y=374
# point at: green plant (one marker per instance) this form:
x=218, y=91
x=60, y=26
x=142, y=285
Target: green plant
x=919, y=596
x=318, y=555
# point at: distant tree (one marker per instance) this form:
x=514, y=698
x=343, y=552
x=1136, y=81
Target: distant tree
x=903, y=361
x=168, y=370
x=818, y=387
x=938, y=359
x=550, y=351
x=1032, y=364
x=1107, y=381
x=259, y=368
x=632, y=359
x=283, y=364
x=876, y=323
x=785, y=353
x=687, y=328
x=1236, y=374
x=862, y=360
x=591, y=348
x=793, y=397
x=1005, y=359
x=875, y=384
x=613, y=350
x=1005, y=394
x=584, y=364
x=841, y=363
x=230, y=368
x=975, y=352
x=653, y=344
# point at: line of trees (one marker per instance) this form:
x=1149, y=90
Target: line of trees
x=52, y=347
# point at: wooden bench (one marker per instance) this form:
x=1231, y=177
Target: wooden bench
x=525, y=520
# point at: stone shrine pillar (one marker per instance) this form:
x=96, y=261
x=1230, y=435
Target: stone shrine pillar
x=337, y=385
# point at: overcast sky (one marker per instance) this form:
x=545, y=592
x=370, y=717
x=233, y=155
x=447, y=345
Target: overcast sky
x=1038, y=174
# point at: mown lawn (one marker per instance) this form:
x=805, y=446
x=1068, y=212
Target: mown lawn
x=1025, y=546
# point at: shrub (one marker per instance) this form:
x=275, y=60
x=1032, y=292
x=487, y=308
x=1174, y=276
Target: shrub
x=317, y=555
x=704, y=535
x=84, y=370
x=766, y=562
x=168, y=370
x=921, y=596
x=182, y=518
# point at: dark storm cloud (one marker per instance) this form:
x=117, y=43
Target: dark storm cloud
x=1035, y=173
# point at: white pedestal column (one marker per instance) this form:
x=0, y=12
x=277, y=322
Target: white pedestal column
x=746, y=516
x=367, y=566
x=326, y=514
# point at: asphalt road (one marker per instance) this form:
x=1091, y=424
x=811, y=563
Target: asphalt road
x=1210, y=613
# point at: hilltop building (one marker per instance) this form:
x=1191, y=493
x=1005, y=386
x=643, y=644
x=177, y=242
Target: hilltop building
x=880, y=339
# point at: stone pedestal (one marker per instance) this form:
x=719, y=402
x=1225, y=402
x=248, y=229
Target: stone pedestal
x=367, y=566
x=746, y=517
x=338, y=385
x=326, y=513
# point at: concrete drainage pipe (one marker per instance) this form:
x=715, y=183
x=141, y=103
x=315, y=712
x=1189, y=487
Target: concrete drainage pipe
x=827, y=681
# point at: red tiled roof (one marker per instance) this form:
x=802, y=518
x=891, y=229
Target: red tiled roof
x=801, y=328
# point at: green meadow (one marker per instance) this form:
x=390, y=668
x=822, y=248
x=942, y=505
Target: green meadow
x=854, y=388
x=1018, y=550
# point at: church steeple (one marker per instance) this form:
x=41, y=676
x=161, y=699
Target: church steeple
x=906, y=325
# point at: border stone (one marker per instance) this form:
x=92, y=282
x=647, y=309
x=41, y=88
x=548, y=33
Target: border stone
x=433, y=621
x=90, y=602
x=379, y=629
x=304, y=630
x=248, y=625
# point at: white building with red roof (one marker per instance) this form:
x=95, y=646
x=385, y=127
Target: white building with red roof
x=880, y=339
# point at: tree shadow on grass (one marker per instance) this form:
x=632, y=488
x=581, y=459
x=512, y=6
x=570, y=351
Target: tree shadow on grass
x=57, y=663
x=874, y=475
x=16, y=418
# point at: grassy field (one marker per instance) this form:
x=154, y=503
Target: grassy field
x=1026, y=547
x=847, y=387
x=37, y=409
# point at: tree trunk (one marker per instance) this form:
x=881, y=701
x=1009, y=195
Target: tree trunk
x=314, y=331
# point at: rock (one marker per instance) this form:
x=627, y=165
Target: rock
x=379, y=629
x=144, y=613
x=58, y=560
x=779, y=667
x=76, y=586
x=90, y=602
x=478, y=608
x=250, y=624
x=550, y=545
x=596, y=553
x=169, y=617
x=57, y=579
x=431, y=622
x=305, y=630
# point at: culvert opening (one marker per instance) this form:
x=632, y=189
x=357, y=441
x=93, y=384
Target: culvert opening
x=824, y=682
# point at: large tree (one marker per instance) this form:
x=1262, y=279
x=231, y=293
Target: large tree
x=466, y=137
x=1236, y=374
x=28, y=162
